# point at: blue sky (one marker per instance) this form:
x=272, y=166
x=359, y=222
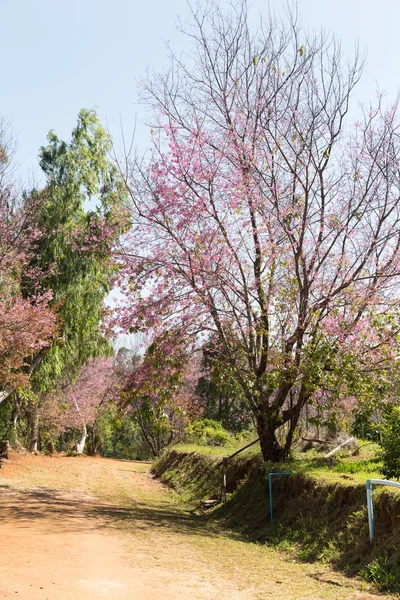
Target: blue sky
x=57, y=57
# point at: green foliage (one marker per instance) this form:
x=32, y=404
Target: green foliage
x=153, y=391
x=366, y=420
x=390, y=442
x=220, y=394
x=384, y=572
x=76, y=219
x=6, y=410
x=117, y=435
x=207, y=432
x=74, y=252
x=315, y=517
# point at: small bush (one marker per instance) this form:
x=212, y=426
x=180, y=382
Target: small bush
x=207, y=432
x=384, y=572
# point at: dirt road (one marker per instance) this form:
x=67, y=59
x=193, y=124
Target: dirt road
x=94, y=528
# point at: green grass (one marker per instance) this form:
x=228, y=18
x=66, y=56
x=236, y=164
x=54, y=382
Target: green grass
x=219, y=451
x=355, y=469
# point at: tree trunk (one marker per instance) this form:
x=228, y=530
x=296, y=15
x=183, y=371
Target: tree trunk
x=92, y=443
x=148, y=437
x=81, y=444
x=295, y=416
x=114, y=442
x=34, y=428
x=270, y=447
x=14, y=418
x=5, y=449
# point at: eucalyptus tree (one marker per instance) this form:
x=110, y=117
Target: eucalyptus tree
x=80, y=218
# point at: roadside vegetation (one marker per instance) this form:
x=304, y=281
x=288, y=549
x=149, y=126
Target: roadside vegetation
x=319, y=511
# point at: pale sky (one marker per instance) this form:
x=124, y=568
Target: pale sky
x=58, y=57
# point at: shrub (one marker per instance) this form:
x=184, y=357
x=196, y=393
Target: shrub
x=390, y=442
x=207, y=432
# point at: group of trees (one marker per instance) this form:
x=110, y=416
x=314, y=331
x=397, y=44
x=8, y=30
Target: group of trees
x=56, y=266
x=257, y=245
x=60, y=383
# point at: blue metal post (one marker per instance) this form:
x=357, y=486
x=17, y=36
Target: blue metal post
x=270, y=475
x=270, y=495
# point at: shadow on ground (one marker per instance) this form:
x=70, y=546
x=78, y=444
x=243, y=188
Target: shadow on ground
x=74, y=512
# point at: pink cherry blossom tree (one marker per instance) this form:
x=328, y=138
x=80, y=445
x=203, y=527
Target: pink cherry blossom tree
x=27, y=324
x=26, y=328
x=75, y=405
x=262, y=217
x=160, y=392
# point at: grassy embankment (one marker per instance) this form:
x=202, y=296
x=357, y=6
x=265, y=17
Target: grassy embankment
x=319, y=512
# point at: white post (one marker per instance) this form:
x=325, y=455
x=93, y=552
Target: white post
x=369, y=484
x=224, y=467
x=370, y=509
x=81, y=444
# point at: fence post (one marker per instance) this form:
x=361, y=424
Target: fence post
x=224, y=469
x=370, y=509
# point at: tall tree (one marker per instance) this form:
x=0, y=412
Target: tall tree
x=80, y=217
x=261, y=218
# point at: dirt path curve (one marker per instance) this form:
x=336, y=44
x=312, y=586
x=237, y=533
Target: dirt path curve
x=94, y=528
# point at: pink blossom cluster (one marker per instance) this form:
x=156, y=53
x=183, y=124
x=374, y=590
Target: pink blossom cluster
x=76, y=405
